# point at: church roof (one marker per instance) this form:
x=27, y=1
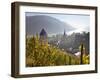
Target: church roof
x=43, y=32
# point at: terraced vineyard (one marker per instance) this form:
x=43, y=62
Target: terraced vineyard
x=48, y=55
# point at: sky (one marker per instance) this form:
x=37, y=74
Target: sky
x=79, y=23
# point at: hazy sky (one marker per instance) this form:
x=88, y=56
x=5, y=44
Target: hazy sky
x=78, y=22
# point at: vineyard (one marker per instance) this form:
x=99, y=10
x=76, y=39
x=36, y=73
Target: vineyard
x=49, y=55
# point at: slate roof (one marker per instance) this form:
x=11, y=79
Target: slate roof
x=43, y=32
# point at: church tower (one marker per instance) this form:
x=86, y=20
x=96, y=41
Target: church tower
x=43, y=37
x=64, y=35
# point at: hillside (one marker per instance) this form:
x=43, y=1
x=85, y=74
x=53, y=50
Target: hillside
x=35, y=23
x=47, y=55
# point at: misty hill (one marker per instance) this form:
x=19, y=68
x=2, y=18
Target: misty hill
x=34, y=24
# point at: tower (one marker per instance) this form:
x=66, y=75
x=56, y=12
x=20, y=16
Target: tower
x=64, y=33
x=64, y=36
x=43, y=37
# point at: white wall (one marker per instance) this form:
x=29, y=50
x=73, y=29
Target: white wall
x=5, y=40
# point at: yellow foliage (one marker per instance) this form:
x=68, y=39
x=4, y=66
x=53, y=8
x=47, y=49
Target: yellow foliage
x=86, y=59
x=48, y=55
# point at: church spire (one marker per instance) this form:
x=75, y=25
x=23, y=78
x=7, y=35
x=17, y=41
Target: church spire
x=64, y=32
x=64, y=36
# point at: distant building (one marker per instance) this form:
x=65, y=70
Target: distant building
x=62, y=42
x=43, y=37
x=64, y=36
